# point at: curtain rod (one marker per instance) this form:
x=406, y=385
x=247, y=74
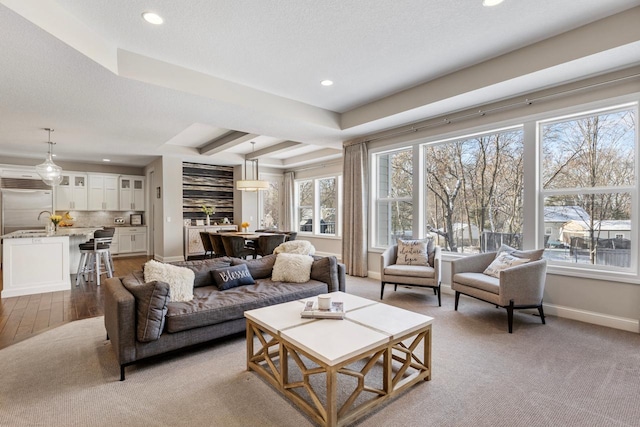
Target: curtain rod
x=481, y=112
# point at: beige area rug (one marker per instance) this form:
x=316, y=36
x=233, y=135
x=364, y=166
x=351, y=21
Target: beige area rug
x=565, y=373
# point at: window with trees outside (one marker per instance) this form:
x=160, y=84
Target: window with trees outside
x=270, y=203
x=580, y=168
x=588, y=181
x=318, y=205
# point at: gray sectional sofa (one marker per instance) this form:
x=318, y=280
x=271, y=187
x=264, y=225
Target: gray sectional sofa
x=141, y=322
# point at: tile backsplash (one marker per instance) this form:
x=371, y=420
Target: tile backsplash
x=99, y=218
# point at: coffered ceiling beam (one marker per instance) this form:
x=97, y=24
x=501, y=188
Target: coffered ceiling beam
x=315, y=156
x=226, y=141
x=273, y=150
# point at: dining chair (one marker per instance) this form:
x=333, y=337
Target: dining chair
x=206, y=244
x=234, y=246
x=216, y=243
x=266, y=244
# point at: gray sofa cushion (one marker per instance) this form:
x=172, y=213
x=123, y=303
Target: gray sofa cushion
x=259, y=268
x=203, y=269
x=151, y=307
x=325, y=269
x=479, y=281
x=211, y=306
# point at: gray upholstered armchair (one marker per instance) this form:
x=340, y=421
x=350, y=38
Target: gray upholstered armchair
x=520, y=286
x=410, y=275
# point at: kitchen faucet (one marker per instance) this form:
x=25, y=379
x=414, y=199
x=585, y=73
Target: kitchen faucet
x=40, y=214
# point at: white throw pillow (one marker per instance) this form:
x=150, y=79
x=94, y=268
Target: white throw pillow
x=302, y=247
x=180, y=279
x=413, y=252
x=293, y=268
x=503, y=261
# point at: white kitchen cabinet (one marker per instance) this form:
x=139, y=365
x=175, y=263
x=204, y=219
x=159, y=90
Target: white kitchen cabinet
x=130, y=240
x=71, y=193
x=103, y=192
x=193, y=242
x=131, y=189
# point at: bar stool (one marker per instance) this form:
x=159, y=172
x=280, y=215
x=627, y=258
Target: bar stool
x=94, y=254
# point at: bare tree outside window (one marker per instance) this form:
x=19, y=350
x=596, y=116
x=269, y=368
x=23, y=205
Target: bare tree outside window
x=589, y=164
x=474, y=191
x=327, y=191
x=305, y=205
x=271, y=205
x=394, y=205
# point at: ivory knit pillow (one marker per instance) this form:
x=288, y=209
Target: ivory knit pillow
x=180, y=279
x=293, y=268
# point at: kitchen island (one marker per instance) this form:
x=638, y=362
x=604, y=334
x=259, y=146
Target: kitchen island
x=37, y=261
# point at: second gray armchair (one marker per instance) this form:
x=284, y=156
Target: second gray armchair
x=516, y=287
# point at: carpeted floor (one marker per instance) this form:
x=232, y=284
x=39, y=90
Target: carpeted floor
x=565, y=373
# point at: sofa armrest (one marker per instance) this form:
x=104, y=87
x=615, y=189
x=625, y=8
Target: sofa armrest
x=524, y=284
x=472, y=263
x=120, y=319
x=342, y=277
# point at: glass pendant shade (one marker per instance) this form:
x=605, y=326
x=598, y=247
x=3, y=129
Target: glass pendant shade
x=50, y=173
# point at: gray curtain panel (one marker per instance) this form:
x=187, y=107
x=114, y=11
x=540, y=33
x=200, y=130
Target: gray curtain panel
x=289, y=202
x=355, y=202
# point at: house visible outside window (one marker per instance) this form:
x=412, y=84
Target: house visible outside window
x=588, y=182
x=318, y=205
x=579, y=171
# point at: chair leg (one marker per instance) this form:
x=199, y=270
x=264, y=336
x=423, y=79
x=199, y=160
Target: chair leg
x=510, y=315
x=438, y=291
x=457, y=299
x=541, y=311
x=382, y=289
x=435, y=291
x=395, y=287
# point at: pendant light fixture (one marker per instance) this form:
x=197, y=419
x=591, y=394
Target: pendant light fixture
x=254, y=184
x=50, y=173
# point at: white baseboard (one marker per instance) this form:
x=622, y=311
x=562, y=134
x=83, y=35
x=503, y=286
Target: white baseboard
x=625, y=324
x=615, y=322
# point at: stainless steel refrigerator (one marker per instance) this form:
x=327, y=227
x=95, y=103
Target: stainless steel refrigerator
x=21, y=208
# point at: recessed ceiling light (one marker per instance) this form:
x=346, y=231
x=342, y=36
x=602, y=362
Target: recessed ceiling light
x=152, y=18
x=106, y=160
x=489, y=3
x=326, y=83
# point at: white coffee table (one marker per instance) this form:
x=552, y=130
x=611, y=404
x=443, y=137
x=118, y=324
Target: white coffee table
x=372, y=336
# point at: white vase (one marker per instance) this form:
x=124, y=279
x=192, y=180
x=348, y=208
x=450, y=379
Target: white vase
x=208, y=221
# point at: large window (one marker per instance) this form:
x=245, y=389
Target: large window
x=474, y=191
x=394, y=196
x=318, y=205
x=578, y=174
x=588, y=181
x=270, y=202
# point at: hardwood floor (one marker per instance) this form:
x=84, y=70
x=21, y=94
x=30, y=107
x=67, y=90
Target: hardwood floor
x=25, y=316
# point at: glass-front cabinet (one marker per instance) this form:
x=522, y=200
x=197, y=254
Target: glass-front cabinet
x=131, y=193
x=71, y=193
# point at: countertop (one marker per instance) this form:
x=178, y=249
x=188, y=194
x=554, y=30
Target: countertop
x=62, y=231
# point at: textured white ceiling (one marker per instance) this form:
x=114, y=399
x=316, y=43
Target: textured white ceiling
x=258, y=67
